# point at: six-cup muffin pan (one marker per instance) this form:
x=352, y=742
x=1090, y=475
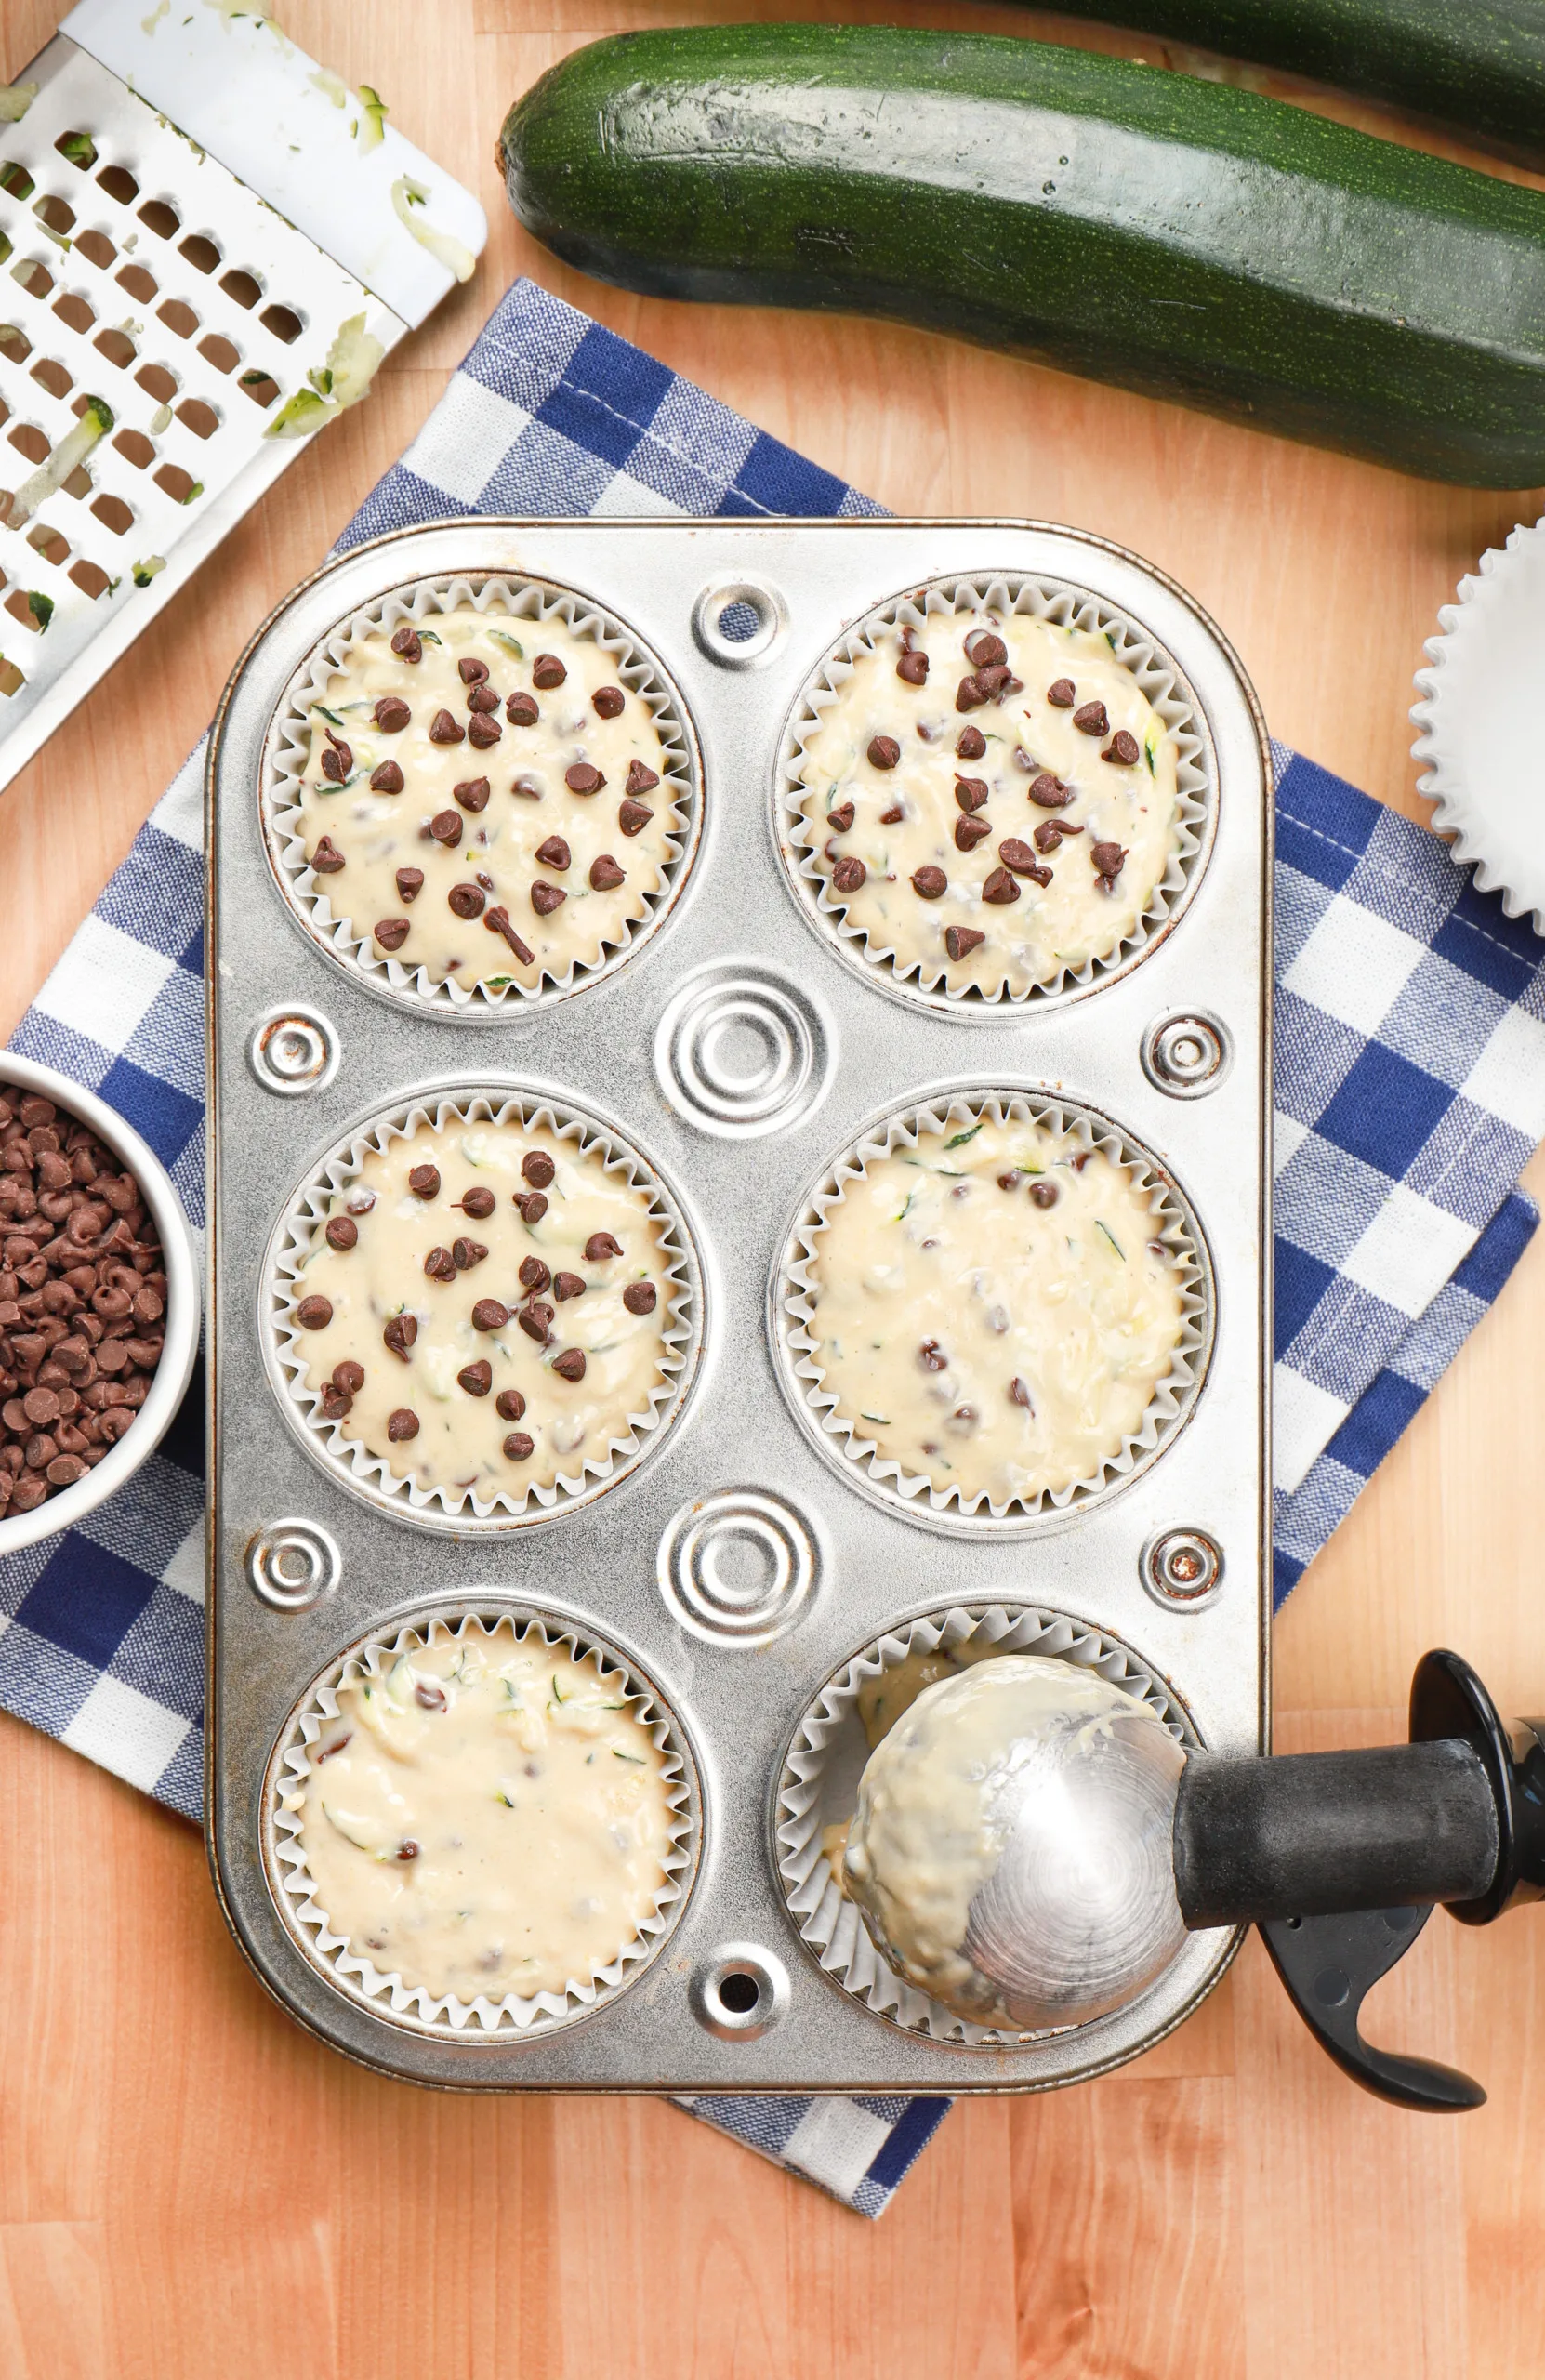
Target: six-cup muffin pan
x=742, y=1563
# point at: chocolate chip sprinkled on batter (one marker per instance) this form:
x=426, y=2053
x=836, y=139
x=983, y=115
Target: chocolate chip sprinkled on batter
x=997, y=681
x=929, y=883
x=599, y=1245
x=554, y=852
x=893, y=817
x=567, y=1285
x=471, y=672
x=605, y=875
x=608, y=702
x=510, y=1405
x=569, y=1365
x=1123, y=748
x=400, y=1334
x=328, y=859
x=984, y=650
x=342, y=1231
x=477, y=1203
x=536, y=1320
x=1044, y=1194
x=968, y=832
x=388, y=778
x=970, y=695
x=445, y=827
x=632, y=817
x=840, y=819
x=639, y=779
x=547, y=671
x=1048, y=835
x=466, y=900
x=912, y=668
x=402, y=1424
x=496, y=921
x=1049, y=792
x=1063, y=693
x=405, y=644
x=471, y=794
x=1020, y=1393
x=960, y=940
x=390, y=933
x=534, y=1275
x=489, y=1315
x=444, y=729
x=970, y=744
x=481, y=701
x=528, y=787
x=348, y=1376
x=484, y=734
x=538, y=1169
x=314, y=1313
x=1021, y=859
x=1000, y=888
x=583, y=778
x=392, y=715
x=1011, y=1179
x=517, y=1447
x=523, y=710
x=476, y=1378
x=884, y=751
x=440, y=1265
x=848, y=875
x=971, y=793
x=544, y=898
x=424, y=1181
x=1090, y=719
x=337, y=1403
x=639, y=1297
x=533, y=1206
x=464, y=1253
x=410, y=883
x=338, y=758
x=932, y=1356
x=1108, y=859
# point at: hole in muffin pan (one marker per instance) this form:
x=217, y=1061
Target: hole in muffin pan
x=737, y=622
x=740, y=1992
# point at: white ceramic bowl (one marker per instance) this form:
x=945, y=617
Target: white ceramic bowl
x=183, y=1273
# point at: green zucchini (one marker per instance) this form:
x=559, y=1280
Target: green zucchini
x=1178, y=237
x=1478, y=65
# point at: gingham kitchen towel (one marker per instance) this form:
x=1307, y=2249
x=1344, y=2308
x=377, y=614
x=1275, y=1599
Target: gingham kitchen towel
x=1411, y=1088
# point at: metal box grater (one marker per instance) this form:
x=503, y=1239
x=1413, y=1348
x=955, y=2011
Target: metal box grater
x=137, y=268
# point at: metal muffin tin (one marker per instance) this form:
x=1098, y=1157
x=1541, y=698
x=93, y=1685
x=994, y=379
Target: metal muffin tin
x=741, y=1054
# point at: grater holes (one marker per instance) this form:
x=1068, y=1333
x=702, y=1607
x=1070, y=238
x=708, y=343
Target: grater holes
x=161, y=218
x=52, y=376
x=219, y=353
x=114, y=514
x=180, y=485
x=180, y=319
x=35, y=277
x=32, y=610
x=91, y=579
x=79, y=149
x=117, y=347
x=119, y=184
x=135, y=448
x=283, y=322
x=138, y=284
x=17, y=180
x=12, y=680
x=261, y=387
x=48, y=541
x=157, y=382
x=202, y=419
x=201, y=254
x=14, y=343
x=55, y=215
x=30, y=440
x=98, y=249
x=242, y=287
x=75, y=312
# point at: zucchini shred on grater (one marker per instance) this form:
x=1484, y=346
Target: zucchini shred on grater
x=190, y=212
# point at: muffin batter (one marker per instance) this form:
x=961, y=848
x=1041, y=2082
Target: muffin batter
x=484, y=798
x=995, y=1308
x=992, y=798
x=488, y=1816
x=483, y=1306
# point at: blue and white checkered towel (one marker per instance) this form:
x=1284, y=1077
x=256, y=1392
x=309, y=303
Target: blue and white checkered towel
x=1411, y=1089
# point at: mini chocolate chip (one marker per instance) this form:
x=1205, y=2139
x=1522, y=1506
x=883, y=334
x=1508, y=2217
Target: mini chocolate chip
x=1061, y=693
x=466, y=900
x=984, y=650
x=388, y=778
x=848, y=875
x=632, y=817
x=1048, y=835
x=554, y=852
x=884, y=751
x=313, y=1314
x=970, y=695
x=337, y=1403
x=440, y=1265
x=479, y=1204
x=472, y=671
x=538, y=1169
x=605, y=875
x=444, y=729
x=528, y=787
x=523, y=710
x=1020, y=1393
x=929, y=883
x=348, y=1376
x=472, y=794
x=445, y=827
x=599, y=1245
x=960, y=940
x=342, y=1231
x=517, y=1447
x=1090, y=719
x=481, y=701
x=533, y=1206
x=400, y=1334
x=392, y=715
x=1011, y=1179
x=338, y=758
x=608, y=702
x=639, y=779
x=496, y=921
x=476, y=1378
x=65, y=1470
x=970, y=744
x=997, y=681
x=464, y=1253
x=534, y=1275
x=968, y=832
x=405, y=644
x=567, y=1285
x=536, y=1320
x=971, y=793
x=328, y=859
x=424, y=1181
x=932, y=1357
x=410, y=883
x=1108, y=859
x=484, y=734
x=1123, y=749
x=1000, y=888
x=1043, y=1194
x=547, y=671
x=569, y=1365
x=510, y=1405
x=840, y=819
x=390, y=933
x=544, y=898
x=1021, y=859
x=893, y=817
x=402, y=1424
x=639, y=1297
x=489, y=1315
x=583, y=778
x=1049, y=792
x=912, y=668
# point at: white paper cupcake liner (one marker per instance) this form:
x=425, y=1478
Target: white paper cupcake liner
x=1161, y=679
x=369, y=1476
x=287, y=747
x=1477, y=740
x=840, y=1440
x=818, y=1787
x=385, y=1995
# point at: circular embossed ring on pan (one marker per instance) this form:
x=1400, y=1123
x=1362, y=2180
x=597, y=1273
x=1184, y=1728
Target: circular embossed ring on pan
x=740, y=1050
x=739, y=1567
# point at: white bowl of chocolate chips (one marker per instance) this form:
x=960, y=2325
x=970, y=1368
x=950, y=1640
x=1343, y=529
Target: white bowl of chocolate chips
x=100, y=1324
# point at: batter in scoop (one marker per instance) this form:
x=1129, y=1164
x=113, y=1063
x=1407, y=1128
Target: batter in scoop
x=487, y=1814
x=995, y=1308
x=485, y=798
x=992, y=797
x=483, y=1307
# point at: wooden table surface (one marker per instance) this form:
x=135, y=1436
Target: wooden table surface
x=188, y=2183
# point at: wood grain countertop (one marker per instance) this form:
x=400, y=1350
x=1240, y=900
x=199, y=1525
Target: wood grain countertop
x=188, y=2185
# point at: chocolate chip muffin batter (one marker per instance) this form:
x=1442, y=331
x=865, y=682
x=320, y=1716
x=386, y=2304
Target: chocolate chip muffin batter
x=486, y=799
x=992, y=799
x=486, y=1816
x=995, y=1308
x=483, y=1307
